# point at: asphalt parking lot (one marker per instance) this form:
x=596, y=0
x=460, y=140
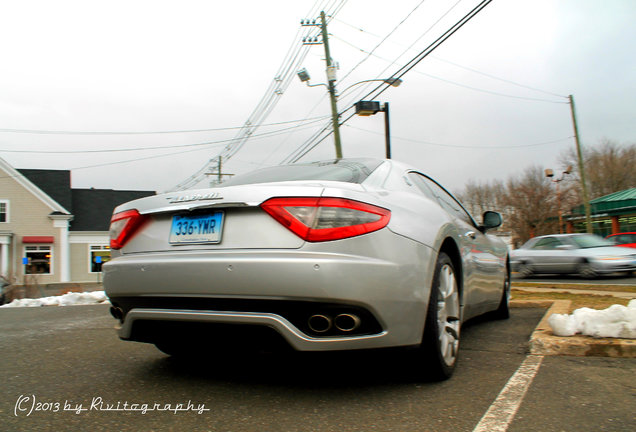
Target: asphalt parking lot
x=71, y=357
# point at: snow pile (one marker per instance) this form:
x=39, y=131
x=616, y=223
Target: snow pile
x=616, y=321
x=68, y=299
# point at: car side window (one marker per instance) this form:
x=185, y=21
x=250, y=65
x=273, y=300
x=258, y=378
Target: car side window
x=446, y=200
x=547, y=243
x=625, y=238
x=419, y=182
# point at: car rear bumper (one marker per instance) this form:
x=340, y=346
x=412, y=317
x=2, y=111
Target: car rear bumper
x=389, y=286
x=292, y=335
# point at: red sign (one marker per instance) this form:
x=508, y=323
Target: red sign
x=38, y=239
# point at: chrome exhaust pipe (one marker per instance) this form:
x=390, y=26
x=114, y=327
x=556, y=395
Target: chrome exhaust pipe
x=347, y=322
x=319, y=323
x=117, y=313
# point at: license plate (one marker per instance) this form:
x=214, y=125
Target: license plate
x=196, y=228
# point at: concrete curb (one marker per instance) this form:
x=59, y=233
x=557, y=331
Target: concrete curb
x=621, y=294
x=544, y=342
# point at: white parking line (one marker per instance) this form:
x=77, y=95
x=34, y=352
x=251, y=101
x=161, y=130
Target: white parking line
x=503, y=409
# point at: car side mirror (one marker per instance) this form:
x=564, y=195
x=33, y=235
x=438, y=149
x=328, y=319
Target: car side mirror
x=491, y=220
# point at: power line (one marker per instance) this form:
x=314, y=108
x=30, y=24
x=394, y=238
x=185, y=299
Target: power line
x=452, y=63
x=464, y=85
x=385, y=38
x=354, y=68
x=68, y=132
x=315, y=140
x=489, y=91
x=150, y=157
x=498, y=78
x=427, y=31
x=126, y=161
x=299, y=152
x=296, y=154
x=381, y=88
x=429, y=49
x=281, y=82
x=132, y=149
x=303, y=150
x=466, y=146
x=308, y=146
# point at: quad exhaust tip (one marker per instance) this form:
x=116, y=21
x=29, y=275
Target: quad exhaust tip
x=319, y=323
x=343, y=322
x=117, y=313
x=347, y=322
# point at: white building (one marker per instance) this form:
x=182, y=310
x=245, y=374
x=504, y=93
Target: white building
x=51, y=233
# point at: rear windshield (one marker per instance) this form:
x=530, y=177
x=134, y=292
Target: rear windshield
x=349, y=170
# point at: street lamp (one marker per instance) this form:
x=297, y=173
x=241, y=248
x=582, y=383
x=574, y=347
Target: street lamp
x=549, y=173
x=303, y=75
x=393, y=82
x=367, y=108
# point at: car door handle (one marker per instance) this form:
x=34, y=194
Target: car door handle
x=471, y=234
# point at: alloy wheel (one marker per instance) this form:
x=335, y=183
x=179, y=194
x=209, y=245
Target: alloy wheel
x=448, y=323
x=586, y=271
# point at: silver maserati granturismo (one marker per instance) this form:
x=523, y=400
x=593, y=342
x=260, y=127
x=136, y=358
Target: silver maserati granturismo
x=336, y=255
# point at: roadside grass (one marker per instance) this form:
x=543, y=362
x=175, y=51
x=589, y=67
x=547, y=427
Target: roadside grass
x=578, y=300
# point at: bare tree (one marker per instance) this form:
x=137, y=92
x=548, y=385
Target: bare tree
x=609, y=167
x=531, y=204
x=478, y=197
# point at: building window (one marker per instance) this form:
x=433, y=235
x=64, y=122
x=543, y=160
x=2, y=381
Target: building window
x=38, y=259
x=4, y=211
x=627, y=223
x=99, y=254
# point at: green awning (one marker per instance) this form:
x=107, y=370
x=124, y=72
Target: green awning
x=618, y=203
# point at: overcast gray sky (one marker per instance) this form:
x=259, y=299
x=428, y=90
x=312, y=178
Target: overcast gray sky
x=118, y=66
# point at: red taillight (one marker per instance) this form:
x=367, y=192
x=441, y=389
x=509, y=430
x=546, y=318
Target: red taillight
x=324, y=219
x=122, y=227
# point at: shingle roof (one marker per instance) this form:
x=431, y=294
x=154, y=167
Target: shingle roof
x=54, y=183
x=92, y=208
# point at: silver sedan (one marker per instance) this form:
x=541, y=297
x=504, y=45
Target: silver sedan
x=336, y=255
x=584, y=254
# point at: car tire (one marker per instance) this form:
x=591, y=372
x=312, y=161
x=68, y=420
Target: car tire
x=525, y=270
x=440, y=343
x=503, y=311
x=586, y=271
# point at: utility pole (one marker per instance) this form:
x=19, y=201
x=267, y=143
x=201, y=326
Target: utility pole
x=219, y=173
x=586, y=199
x=331, y=78
x=387, y=130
